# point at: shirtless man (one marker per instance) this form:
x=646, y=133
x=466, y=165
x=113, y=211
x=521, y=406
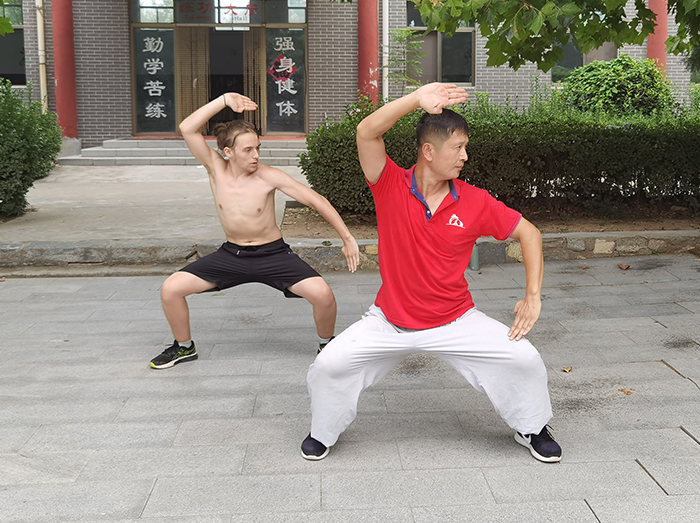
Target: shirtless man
x=244, y=195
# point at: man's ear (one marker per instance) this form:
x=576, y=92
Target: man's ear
x=428, y=150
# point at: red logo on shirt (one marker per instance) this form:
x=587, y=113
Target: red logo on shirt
x=454, y=220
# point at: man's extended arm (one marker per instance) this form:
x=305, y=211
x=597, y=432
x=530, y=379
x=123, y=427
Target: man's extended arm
x=311, y=198
x=190, y=126
x=433, y=98
x=527, y=310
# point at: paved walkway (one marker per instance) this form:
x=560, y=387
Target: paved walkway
x=89, y=433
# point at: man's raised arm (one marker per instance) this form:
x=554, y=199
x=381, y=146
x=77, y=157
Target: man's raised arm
x=190, y=126
x=433, y=98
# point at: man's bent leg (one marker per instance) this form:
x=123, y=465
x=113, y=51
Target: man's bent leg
x=511, y=373
x=172, y=296
x=319, y=294
x=358, y=358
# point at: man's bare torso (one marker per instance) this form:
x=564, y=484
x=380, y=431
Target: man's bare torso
x=245, y=204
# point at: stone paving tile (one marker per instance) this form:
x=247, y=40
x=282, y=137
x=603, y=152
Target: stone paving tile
x=569, y=481
x=80, y=436
x=489, y=446
x=376, y=427
x=186, y=407
x=14, y=436
x=398, y=515
x=79, y=371
x=627, y=445
x=42, y=467
x=66, y=329
x=74, y=501
x=162, y=463
x=30, y=411
x=296, y=404
x=677, y=476
x=226, y=432
x=603, y=325
x=58, y=315
x=692, y=306
x=234, y=494
x=205, y=367
x=545, y=512
x=417, y=488
x=671, y=509
x=434, y=400
x=285, y=458
x=191, y=519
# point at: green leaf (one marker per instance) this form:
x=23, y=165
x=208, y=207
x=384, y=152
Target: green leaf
x=537, y=23
x=5, y=26
x=570, y=9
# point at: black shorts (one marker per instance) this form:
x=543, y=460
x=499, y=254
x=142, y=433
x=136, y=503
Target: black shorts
x=273, y=264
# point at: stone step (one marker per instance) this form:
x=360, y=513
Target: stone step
x=265, y=143
x=280, y=152
x=155, y=160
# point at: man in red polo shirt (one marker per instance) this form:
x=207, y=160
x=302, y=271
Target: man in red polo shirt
x=428, y=221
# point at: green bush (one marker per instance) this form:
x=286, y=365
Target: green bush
x=622, y=86
x=694, y=95
x=549, y=157
x=29, y=145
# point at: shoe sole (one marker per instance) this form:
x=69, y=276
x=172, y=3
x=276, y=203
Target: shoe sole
x=311, y=457
x=182, y=359
x=535, y=454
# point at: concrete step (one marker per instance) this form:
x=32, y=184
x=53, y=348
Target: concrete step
x=156, y=160
x=265, y=143
x=279, y=152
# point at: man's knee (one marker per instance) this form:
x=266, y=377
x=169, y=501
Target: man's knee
x=322, y=296
x=527, y=359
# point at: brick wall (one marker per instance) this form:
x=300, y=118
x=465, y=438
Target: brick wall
x=102, y=66
x=332, y=58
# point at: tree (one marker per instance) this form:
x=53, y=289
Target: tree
x=519, y=31
x=692, y=63
x=404, y=58
x=5, y=25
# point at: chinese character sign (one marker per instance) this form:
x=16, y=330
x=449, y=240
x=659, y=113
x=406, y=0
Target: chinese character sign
x=155, y=80
x=286, y=83
x=195, y=11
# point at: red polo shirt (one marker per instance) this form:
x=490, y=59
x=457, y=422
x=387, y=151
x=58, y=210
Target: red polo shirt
x=422, y=258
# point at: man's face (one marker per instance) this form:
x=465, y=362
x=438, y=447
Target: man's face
x=448, y=158
x=245, y=152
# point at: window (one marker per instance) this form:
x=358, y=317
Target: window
x=448, y=58
x=12, y=48
x=572, y=59
x=152, y=11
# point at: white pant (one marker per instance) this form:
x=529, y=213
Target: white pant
x=511, y=373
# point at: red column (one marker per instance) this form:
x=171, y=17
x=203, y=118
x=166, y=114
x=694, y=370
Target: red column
x=368, y=48
x=64, y=66
x=656, y=42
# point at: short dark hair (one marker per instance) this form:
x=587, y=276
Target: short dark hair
x=440, y=127
x=226, y=133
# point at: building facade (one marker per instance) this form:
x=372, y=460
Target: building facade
x=141, y=66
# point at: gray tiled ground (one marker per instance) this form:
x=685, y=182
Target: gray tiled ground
x=89, y=433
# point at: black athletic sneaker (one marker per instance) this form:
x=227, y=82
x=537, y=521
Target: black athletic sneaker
x=541, y=445
x=313, y=449
x=322, y=346
x=174, y=355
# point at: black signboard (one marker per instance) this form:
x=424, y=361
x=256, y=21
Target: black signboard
x=155, y=80
x=286, y=80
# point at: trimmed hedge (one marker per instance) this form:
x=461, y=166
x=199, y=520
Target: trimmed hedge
x=29, y=145
x=548, y=157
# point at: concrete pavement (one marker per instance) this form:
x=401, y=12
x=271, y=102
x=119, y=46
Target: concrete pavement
x=89, y=433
